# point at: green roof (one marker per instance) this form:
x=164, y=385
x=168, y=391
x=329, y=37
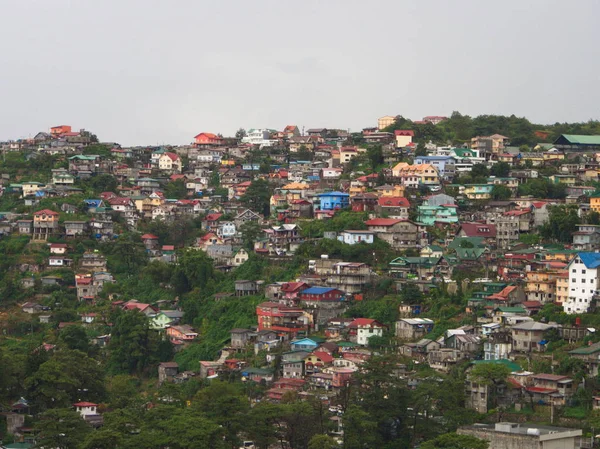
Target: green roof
x=511, y=309
x=586, y=350
x=477, y=242
x=511, y=365
x=575, y=139
x=347, y=344
x=17, y=446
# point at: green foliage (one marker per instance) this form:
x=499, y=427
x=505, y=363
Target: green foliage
x=258, y=197
x=61, y=429
x=500, y=169
x=133, y=346
x=455, y=441
x=176, y=189
x=68, y=376
x=501, y=192
x=529, y=239
x=543, y=188
x=563, y=221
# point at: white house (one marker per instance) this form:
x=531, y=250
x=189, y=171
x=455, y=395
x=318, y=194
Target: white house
x=226, y=229
x=258, y=137
x=583, y=282
x=169, y=161
x=361, y=329
x=86, y=408
x=354, y=237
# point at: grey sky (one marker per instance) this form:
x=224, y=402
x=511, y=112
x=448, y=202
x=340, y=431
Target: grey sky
x=147, y=72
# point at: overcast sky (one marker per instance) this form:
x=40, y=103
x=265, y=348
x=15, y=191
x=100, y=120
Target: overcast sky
x=148, y=72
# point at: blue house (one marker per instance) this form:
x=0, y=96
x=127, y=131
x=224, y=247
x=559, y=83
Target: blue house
x=305, y=344
x=334, y=200
x=445, y=165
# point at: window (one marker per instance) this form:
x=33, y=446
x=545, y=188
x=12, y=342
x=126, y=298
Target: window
x=582, y=271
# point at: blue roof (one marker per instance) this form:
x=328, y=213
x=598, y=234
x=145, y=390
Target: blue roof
x=334, y=194
x=433, y=158
x=591, y=260
x=304, y=341
x=317, y=290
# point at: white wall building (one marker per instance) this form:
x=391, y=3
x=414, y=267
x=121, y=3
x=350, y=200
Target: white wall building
x=354, y=237
x=583, y=282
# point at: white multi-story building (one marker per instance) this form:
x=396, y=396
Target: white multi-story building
x=583, y=282
x=260, y=137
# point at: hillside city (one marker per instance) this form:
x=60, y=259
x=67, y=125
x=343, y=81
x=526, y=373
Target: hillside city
x=428, y=283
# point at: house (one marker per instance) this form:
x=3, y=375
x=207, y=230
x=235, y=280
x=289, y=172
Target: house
x=321, y=294
x=472, y=229
x=170, y=162
x=86, y=408
x=334, y=200
x=413, y=328
x=304, y=344
x=403, y=137
x=507, y=435
x=385, y=121
x=284, y=240
x=583, y=282
x=590, y=354
x=354, y=237
x=317, y=361
x=284, y=320
x=167, y=371
x=528, y=336
x=207, y=140
x=443, y=164
x=361, y=329
x=393, y=207
x=75, y=228
x=241, y=337
x=58, y=248
x=398, y=233
x=181, y=332
x=45, y=224
x=292, y=290
x=165, y=318
x=246, y=288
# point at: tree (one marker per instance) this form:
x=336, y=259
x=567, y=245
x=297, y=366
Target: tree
x=455, y=441
x=102, y=439
x=500, y=169
x=68, y=376
x=258, y=197
x=303, y=154
x=250, y=231
x=501, y=192
x=61, y=429
x=561, y=224
x=493, y=375
x=74, y=337
x=421, y=150
x=133, y=345
x=375, y=155
x=176, y=189
x=360, y=430
x=195, y=270
x=322, y=442
x=240, y=134
x=103, y=183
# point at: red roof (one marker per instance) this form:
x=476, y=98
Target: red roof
x=85, y=404
x=393, y=201
x=503, y=295
x=58, y=245
x=213, y=217
x=538, y=204
x=404, y=132
x=382, y=222
x=479, y=230
x=542, y=390
x=323, y=356
x=364, y=322
x=208, y=236
x=168, y=248
x=149, y=237
x=517, y=212
x=531, y=304
x=172, y=156
x=293, y=286
x=45, y=212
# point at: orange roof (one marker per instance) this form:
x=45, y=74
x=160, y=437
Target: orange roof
x=46, y=212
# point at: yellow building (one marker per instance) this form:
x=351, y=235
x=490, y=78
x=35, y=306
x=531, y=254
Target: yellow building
x=390, y=190
x=541, y=286
x=569, y=180
x=595, y=203
x=227, y=162
x=562, y=287
x=385, y=121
